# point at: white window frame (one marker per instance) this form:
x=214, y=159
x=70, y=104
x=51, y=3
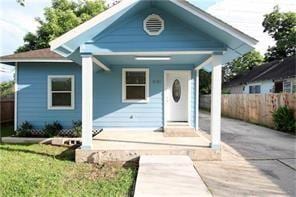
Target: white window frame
x=123, y=81
x=254, y=85
x=291, y=86
x=49, y=93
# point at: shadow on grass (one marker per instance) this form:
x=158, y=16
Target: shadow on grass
x=66, y=155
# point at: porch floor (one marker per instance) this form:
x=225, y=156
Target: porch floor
x=129, y=145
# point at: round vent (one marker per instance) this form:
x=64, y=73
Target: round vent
x=153, y=25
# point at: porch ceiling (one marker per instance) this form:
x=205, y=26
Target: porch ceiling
x=130, y=60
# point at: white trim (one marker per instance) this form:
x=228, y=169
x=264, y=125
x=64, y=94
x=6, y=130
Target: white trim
x=205, y=63
x=189, y=97
x=197, y=100
x=216, y=22
x=165, y=110
x=49, y=92
x=165, y=93
x=123, y=83
x=155, y=16
x=168, y=53
x=15, y=95
x=90, y=23
x=133, y=129
x=87, y=101
x=100, y=64
x=216, y=88
x=32, y=60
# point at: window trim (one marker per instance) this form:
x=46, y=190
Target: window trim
x=123, y=82
x=49, y=93
x=291, y=86
x=255, y=84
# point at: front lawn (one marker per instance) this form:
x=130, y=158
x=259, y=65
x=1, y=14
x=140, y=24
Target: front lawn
x=44, y=170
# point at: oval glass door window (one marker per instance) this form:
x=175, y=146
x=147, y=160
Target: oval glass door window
x=176, y=90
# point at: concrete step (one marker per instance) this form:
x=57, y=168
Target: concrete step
x=179, y=131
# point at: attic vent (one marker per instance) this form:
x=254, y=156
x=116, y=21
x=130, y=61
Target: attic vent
x=153, y=25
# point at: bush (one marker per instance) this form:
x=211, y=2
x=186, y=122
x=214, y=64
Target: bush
x=284, y=120
x=25, y=129
x=51, y=130
x=77, y=128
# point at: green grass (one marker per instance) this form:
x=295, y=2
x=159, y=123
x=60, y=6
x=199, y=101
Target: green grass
x=44, y=170
x=6, y=130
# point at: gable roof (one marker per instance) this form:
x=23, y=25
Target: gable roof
x=44, y=55
x=275, y=70
x=238, y=42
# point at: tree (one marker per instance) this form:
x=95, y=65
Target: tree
x=242, y=64
x=62, y=16
x=281, y=26
x=6, y=88
x=21, y=2
x=205, y=82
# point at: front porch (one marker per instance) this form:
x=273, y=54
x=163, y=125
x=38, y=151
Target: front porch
x=127, y=145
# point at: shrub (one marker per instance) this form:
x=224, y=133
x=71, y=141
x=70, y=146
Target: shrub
x=25, y=129
x=77, y=128
x=284, y=120
x=51, y=130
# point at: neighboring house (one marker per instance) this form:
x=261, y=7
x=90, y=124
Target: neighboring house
x=274, y=77
x=134, y=66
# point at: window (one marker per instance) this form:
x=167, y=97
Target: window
x=255, y=89
x=135, y=85
x=287, y=86
x=278, y=86
x=61, y=92
x=153, y=25
x=294, y=86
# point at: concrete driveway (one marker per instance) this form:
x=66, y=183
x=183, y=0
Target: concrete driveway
x=256, y=161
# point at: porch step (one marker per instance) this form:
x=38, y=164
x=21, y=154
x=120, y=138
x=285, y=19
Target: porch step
x=175, y=130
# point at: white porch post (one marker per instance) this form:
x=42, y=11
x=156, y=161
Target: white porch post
x=216, y=102
x=197, y=100
x=87, y=101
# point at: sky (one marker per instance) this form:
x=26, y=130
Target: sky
x=245, y=15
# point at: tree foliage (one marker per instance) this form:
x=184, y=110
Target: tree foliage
x=281, y=26
x=21, y=2
x=242, y=64
x=62, y=16
x=6, y=88
x=204, y=82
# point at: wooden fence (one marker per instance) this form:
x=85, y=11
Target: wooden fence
x=7, y=110
x=255, y=108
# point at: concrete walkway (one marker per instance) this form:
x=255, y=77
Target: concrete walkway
x=169, y=176
x=256, y=161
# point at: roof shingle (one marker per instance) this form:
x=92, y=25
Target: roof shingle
x=42, y=54
x=275, y=70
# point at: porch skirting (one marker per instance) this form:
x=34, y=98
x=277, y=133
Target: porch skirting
x=125, y=146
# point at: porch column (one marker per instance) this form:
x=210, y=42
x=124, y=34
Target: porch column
x=216, y=102
x=197, y=100
x=87, y=101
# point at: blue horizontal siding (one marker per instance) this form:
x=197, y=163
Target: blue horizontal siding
x=127, y=34
x=108, y=112
x=32, y=94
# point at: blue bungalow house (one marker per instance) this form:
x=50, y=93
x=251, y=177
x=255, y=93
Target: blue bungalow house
x=134, y=66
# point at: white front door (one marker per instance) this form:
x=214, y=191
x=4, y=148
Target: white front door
x=176, y=97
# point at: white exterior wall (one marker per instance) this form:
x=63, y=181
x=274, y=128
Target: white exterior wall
x=235, y=89
x=266, y=86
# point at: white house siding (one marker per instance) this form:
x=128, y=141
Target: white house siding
x=266, y=86
x=235, y=89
